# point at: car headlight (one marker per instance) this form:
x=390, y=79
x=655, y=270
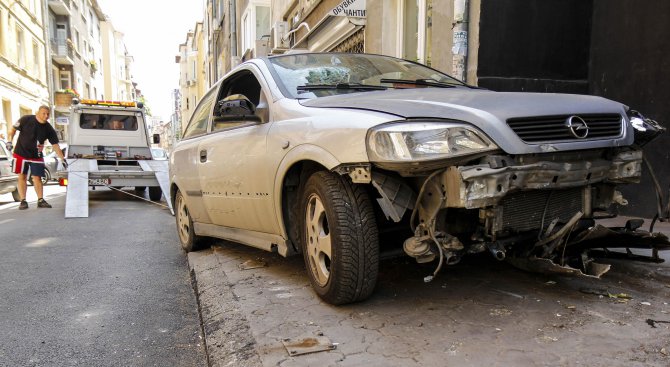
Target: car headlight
x=420, y=141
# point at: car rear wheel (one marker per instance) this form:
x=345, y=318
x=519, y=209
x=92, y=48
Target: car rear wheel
x=187, y=237
x=15, y=195
x=140, y=188
x=45, y=179
x=155, y=193
x=339, y=238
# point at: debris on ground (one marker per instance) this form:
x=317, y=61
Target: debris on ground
x=653, y=323
x=310, y=344
x=252, y=264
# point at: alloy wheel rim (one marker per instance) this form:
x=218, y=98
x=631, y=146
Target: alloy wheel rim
x=319, y=247
x=182, y=220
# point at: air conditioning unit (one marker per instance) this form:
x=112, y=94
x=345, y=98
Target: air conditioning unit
x=262, y=48
x=278, y=32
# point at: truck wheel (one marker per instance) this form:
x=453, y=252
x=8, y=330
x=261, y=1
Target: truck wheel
x=339, y=238
x=15, y=195
x=140, y=188
x=155, y=193
x=187, y=237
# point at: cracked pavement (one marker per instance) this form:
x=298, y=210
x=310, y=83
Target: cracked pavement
x=479, y=312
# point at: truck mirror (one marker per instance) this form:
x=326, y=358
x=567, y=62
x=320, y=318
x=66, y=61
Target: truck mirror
x=157, y=138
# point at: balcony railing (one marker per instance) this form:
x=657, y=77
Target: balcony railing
x=62, y=51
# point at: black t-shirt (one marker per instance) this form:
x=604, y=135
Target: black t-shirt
x=33, y=133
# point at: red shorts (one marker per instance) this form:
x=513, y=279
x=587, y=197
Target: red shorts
x=33, y=167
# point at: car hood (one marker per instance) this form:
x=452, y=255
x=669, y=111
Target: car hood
x=485, y=109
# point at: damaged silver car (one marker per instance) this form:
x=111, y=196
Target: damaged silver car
x=337, y=156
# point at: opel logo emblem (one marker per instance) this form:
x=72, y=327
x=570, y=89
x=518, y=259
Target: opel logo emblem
x=577, y=126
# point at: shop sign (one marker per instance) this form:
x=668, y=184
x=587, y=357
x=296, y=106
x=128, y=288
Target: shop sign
x=350, y=8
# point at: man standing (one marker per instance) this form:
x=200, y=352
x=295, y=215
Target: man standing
x=35, y=130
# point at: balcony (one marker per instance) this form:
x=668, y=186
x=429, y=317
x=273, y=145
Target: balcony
x=60, y=7
x=62, y=51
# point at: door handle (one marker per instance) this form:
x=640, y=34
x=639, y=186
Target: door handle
x=203, y=156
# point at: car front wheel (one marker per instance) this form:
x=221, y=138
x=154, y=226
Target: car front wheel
x=15, y=195
x=339, y=238
x=189, y=240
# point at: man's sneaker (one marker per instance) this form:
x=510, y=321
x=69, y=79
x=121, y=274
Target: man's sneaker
x=23, y=205
x=41, y=203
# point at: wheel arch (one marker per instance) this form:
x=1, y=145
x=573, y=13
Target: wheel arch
x=295, y=168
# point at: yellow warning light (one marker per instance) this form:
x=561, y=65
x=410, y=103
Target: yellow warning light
x=95, y=102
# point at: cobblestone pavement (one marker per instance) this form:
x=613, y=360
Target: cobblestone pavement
x=479, y=312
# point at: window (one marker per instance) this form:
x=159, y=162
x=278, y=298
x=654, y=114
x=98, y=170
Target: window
x=36, y=61
x=415, y=35
x=75, y=40
x=20, y=48
x=64, y=80
x=255, y=23
x=108, y=122
x=198, y=124
x=2, y=33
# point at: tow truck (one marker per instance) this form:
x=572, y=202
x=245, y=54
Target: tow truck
x=109, y=146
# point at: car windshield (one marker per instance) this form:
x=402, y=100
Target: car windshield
x=158, y=153
x=318, y=75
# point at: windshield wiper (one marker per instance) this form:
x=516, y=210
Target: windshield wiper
x=422, y=82
x=347, y=86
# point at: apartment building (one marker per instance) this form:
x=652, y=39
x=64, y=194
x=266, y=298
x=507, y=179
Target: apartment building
x=117, y=65
x=23, y=52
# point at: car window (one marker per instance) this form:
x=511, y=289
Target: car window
x=200, y=118
x=158, y=153
x=108, y=122
x=244, y=84
x=3, y=152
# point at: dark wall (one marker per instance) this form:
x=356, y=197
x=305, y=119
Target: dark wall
x=630, y=63
x=535, y=45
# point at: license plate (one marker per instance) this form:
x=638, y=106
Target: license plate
x=99, y=181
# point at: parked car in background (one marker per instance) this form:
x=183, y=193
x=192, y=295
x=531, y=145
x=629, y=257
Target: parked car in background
x=51, y=163
x=337, y=156
x=9, y=182
x=159, y=154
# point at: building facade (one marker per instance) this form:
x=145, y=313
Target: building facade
x=23, y=53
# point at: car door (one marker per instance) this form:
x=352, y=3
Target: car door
x=185, y=159
x=237, y=185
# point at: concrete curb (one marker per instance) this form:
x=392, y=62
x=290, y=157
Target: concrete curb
x=228, y=337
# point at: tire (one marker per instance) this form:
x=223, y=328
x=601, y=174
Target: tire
x=187, y=237
x=155, y=193
x=339, y=238
x=45, y=179
x=15, y=195
x=140, y=188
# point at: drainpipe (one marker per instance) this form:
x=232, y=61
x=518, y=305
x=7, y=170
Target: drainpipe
x=47, y=57
x=459, y=50
x=233, y=32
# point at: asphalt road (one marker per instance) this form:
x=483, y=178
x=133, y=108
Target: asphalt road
x=110, y=290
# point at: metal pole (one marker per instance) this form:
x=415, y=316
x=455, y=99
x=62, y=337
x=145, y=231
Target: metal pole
x=233, y=31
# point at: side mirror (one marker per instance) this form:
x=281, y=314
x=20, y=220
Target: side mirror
x=236, y=105
x=157, y=138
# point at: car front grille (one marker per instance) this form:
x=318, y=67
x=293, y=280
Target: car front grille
x=523, y=211
x=555, y=129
